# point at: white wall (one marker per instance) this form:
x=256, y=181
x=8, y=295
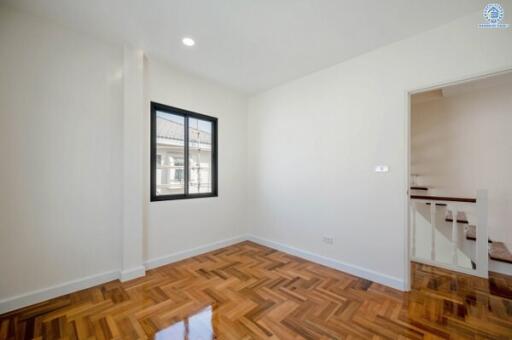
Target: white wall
x=176, y=226
x=60, y=151
x=68, y=217
x=61, y=144
x=314, y=143
x=462, y=143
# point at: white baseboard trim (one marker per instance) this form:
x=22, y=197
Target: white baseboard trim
x=40, y=295
x=132, y=273
x=371, y=275
x=178, y=256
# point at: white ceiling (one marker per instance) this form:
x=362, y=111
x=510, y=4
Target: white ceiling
x=252, y=45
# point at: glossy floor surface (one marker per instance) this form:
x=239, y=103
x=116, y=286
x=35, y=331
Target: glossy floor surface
x=247, y=291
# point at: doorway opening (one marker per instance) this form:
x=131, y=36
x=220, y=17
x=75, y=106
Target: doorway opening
x=460, y=193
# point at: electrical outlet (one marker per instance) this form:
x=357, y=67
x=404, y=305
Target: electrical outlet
x=328, y=240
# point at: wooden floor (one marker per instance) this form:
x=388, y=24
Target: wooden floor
x=247, y=291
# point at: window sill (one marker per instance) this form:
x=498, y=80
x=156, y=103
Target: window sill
x=181, y=197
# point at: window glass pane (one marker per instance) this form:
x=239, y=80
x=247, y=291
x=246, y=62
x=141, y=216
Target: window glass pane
x=200, y=156
x=170, y=154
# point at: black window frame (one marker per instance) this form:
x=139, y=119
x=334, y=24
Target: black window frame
x=185, y=114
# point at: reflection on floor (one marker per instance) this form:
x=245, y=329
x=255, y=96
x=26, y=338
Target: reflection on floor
x=247, y=291
x=197, y=326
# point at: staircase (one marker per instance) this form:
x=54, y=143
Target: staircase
x=461, y=243
x=498, y=251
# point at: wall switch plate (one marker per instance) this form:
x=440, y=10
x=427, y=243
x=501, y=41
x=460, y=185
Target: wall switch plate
x=381, y=168
x=328, y=240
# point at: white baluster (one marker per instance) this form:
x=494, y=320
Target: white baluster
x=413, y=228
x=455, y=235
x=433, y=224
x=482, y=248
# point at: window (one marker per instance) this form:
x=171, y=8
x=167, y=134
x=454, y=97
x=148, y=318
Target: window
x=183, y=154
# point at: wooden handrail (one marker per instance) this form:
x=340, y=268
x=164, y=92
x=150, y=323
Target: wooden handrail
x=442, y=198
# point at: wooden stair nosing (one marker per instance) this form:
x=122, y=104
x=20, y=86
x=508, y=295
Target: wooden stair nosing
x=438, y=204
x=472, y=238
x=471, y=234
x=459, y=220
x=461, y=217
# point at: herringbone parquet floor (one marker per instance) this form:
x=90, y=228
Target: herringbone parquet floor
x=247, y=291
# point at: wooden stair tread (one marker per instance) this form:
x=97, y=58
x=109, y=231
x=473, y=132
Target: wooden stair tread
x=419, y=188
x=498, y=251
x=461, y=217
x=471, y=233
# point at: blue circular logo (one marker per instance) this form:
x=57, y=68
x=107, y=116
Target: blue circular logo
x=493, y=13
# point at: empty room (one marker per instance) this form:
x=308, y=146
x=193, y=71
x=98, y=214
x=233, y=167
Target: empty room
x=255, y=169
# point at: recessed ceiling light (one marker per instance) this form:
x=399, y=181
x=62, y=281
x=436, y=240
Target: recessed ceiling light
x=188, y=41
